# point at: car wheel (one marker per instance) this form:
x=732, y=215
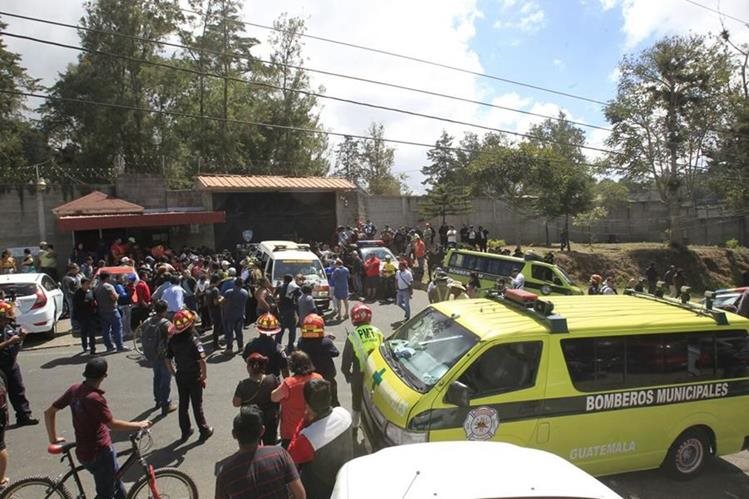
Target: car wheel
x=688, y=454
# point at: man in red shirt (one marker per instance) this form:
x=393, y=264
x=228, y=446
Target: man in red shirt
x=256, y=471
x=92, y=422
x=372, y=276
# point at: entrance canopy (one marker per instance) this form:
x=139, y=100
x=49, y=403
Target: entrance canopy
x=98, y=210
x=272, y=183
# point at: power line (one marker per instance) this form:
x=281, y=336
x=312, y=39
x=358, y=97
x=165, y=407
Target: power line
x=421, y=61
x=234, y=56
x=243, y=122
x=310, y=93
x=716, y=11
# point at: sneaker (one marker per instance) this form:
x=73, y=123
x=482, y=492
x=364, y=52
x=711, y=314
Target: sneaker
x=27, y=421
x=168, y=408
x=110, y=349
x=123, y=349
x=205, y=435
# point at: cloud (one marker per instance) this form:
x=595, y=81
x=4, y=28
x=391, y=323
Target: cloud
x=645, y=18
x=559, y=64
x=529, y=18
x=608, y=4
x=614, y=75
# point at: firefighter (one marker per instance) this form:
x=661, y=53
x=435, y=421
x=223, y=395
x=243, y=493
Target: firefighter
x=321, y=351
x=10, y=344
x=359, y=344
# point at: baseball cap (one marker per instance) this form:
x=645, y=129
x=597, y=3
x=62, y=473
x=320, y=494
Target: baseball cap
x=255, y=356
x=95, y=368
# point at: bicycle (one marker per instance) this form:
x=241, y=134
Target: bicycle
x=159, y=483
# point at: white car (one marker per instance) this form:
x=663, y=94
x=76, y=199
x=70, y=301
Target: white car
x=38, y=299
x=465, y=470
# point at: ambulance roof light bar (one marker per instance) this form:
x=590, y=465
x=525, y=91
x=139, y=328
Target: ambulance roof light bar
x=719, y=316
x=530, y=304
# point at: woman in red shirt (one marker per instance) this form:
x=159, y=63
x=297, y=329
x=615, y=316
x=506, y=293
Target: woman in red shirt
x=290, y=394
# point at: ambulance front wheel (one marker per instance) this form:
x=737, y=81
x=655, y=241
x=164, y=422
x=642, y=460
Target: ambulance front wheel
x=688, y=454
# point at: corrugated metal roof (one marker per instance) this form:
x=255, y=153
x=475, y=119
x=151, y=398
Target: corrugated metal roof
x=245, y=183
x=98, y=203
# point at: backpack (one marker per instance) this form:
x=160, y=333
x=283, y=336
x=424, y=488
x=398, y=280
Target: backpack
x=153, y=344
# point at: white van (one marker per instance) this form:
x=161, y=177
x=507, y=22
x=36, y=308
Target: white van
x=278, y=258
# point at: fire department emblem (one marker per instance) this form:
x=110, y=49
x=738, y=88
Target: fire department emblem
x=481, y=423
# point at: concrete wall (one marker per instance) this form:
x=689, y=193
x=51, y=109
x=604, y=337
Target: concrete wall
x=633, y=222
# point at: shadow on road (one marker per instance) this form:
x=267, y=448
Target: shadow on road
x=77, y=359
x=719, y=479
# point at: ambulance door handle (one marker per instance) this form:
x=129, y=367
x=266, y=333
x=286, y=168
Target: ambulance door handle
x=542, y=435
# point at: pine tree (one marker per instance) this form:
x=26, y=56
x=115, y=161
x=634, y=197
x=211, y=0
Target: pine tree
x=446, y=199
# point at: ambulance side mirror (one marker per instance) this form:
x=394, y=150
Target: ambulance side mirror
x=458, y=394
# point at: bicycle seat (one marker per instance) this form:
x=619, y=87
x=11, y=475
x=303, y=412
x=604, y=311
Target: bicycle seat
x=60, y=448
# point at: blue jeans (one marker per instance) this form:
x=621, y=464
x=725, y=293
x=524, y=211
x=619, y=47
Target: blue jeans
x=88, y=334
x=104, y=468
x=232, y=328
x=403, y=300
x=162, y=384
x=111, y=324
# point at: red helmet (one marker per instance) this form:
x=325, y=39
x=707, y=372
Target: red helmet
x=361, y=314
x=183, y=319
x=7, y=310
x=268, y=324
x=313, y=326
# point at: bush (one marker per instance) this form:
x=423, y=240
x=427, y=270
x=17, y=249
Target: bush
x=733, y=244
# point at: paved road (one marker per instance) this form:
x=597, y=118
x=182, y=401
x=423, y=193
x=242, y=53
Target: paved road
x=48, y=372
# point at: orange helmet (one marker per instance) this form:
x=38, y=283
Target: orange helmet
x=313, y=326
x=7, y=310
x=361, y=314
x=182, y=320
x=268, y=324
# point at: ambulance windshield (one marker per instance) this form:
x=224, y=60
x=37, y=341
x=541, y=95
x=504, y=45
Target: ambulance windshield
x=425, y=348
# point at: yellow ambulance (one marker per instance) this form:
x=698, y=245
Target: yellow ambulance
x=611, y=383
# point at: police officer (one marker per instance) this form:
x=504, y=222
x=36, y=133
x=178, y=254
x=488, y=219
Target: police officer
x=359, y=344
x=12, y=338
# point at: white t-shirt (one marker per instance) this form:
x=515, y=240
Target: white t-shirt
x=452, y=236
x=518, y=282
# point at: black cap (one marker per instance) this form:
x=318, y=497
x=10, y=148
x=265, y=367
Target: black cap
x=95, y=368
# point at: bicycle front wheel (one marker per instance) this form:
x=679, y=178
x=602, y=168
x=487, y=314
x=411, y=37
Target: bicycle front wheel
x=170, y=482
x=137, y=335
x=35, y=488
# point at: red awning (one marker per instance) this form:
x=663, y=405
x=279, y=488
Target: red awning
x=157, y=219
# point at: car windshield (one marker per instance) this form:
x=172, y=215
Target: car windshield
x=308, y=268
x=427, y=347
x=725, y=300
x=378, y=251
x=18, y=290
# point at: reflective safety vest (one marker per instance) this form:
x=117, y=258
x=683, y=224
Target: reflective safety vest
x=364, y=339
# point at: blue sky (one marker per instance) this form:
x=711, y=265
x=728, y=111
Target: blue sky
x=568, y=45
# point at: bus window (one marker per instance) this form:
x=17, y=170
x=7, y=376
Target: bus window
x=733, y=355
x=542, y=273
x=595, y=363
x=456, y=260
x=503, y=368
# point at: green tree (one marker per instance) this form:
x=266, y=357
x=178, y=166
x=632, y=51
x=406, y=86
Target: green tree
x=563, y=181
x=669, y=99
x=348, y=162
x=445, y=199
x=610, y=194
x=15, y=131
x=97, y=137
x=729, y=162
x=377, y=165
x=292, y=151
x=216, y=30
x=506, y=172
x=587, y=219
x=443, y=162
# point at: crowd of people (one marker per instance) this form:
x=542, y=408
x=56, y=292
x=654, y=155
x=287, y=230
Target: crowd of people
x=290, y=429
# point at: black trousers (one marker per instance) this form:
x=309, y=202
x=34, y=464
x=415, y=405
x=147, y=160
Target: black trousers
x=357, y=382
x=16, y=390
x=190, y=393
